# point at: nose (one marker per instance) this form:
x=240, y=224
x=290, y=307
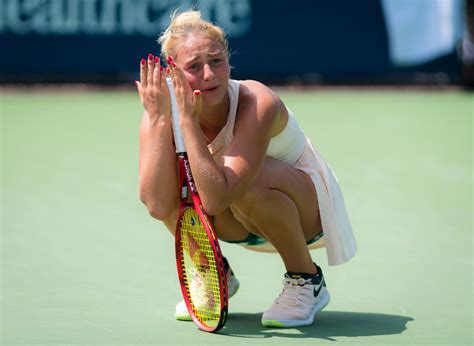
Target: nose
x=208, y=73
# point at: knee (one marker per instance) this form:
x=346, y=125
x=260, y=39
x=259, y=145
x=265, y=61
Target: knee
x=253, y=200
x=257, y=194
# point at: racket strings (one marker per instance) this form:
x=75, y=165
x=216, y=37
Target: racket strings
x=201, y=274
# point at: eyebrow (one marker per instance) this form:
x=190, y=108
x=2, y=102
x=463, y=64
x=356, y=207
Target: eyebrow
x=216, y=54
x=196, y=57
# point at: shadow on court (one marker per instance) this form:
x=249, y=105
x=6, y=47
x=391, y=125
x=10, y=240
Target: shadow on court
x=327, y=325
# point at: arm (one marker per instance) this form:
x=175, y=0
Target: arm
x=220, y=184
x=157, y=165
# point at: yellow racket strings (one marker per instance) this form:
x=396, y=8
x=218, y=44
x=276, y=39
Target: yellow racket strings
x=201, y=276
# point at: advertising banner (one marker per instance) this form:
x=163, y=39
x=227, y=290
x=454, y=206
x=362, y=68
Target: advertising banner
x=103, y=41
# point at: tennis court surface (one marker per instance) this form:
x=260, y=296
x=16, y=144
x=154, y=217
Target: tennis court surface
x=82, y=262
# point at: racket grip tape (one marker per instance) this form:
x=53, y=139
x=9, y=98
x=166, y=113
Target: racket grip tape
x=178, y=137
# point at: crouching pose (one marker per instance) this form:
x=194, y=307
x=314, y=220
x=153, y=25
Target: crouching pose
x=257, y=173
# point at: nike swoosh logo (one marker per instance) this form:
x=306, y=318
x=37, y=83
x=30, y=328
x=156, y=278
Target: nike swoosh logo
x=316, y=291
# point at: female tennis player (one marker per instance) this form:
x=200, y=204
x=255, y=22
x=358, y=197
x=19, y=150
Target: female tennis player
x=257, y=173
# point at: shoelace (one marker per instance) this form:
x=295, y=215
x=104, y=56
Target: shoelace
x=292, y=288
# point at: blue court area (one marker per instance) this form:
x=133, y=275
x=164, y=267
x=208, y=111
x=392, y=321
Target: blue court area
x=82, y=262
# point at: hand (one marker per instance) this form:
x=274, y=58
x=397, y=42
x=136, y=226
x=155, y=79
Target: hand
x=153, y=89
x=189, y=101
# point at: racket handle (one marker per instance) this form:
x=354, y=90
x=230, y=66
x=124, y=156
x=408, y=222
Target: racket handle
x=178, y=137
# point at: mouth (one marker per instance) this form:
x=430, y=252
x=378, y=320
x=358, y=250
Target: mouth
x=211, y=89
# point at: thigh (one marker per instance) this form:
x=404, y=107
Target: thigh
x=297, y=185
x=233, y=223
x=232, y=227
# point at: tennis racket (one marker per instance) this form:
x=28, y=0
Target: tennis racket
x=199, y=259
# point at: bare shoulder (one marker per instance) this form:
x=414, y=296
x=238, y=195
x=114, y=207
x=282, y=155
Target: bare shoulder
x=258, y=101
x=251, y=90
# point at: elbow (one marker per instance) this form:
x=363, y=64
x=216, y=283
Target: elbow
x=158, y=210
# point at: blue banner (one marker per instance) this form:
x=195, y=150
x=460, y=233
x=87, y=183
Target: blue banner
x=278, y=41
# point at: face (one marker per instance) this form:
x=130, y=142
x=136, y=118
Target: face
x=205, y=66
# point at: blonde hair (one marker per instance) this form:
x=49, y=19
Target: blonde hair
x=185, y=23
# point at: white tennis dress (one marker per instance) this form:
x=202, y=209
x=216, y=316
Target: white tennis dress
x=294, y=148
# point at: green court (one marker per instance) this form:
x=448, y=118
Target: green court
x=82, y=262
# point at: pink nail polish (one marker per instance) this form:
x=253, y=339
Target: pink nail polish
x=157, y=60
x=143, y=61
x=161, y=68
x=197, y=92
x=169, y=59
x=168, y=70
x=150, y=56
x=173, y=64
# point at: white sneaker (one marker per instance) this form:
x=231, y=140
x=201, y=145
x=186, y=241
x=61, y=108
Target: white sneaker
x=181, y=312
x=302, y=297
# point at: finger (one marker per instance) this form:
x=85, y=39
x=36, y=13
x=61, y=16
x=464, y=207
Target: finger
x=151, y=65
x=174, y=76
x=143, y=69
x=181, y=79
x=171, y=68
x=169, y=60
x=197, y=104
x=164, y=85
x=156, y=72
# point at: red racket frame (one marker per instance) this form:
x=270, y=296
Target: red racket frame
x=187, y=185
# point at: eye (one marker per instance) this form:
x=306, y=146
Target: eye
x=193, y=67
x=216, y=61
